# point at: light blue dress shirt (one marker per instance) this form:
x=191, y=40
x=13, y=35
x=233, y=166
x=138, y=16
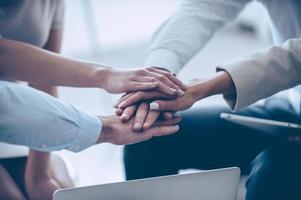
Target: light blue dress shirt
x=37, y=120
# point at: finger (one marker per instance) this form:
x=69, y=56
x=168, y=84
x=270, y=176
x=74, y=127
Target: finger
x=123, y=97
x=157, y=77
x=141, y=96
x=118, y=111
x=166, y=82
x=140, y=117
x=162, y=87
x=138, y=86
x=161, y=130
x=128, y=113
x=151, y=119
x=168, y=115
x=163, y=105
x=175, y=120
x=170, y=76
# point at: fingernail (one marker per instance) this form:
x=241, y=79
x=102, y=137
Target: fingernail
x=137, y=126
x=145, y=125
x=154, y=106
x=181, y=93
x=177, y=127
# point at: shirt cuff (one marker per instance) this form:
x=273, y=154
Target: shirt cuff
x=87, y=134
x=164, y=59
x=242, y=97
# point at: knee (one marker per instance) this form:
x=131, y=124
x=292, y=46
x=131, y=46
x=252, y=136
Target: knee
x=275, y=175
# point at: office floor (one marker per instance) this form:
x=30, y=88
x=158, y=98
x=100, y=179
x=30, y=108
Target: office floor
x=103, y=164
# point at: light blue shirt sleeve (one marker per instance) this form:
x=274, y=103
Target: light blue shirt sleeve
x=37, y=120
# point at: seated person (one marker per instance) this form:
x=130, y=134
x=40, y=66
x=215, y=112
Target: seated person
x=21, y=58
x=204, y=140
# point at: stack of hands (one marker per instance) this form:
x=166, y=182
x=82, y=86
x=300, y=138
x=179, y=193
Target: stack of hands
x=148, y=107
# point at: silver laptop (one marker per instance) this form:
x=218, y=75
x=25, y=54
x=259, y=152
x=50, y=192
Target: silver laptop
x=208, y=185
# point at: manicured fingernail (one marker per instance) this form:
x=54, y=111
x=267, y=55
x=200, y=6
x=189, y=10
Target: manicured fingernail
x=154, y=106
x=181, y=93
x=177, y=127
x=145, y=125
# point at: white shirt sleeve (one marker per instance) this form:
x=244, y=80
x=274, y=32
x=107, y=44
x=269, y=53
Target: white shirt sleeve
x=35, y=119
x=265, y=73
x=189, y=29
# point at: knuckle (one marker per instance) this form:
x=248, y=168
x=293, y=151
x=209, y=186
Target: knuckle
x=152, y=79
x=170, y=76
x=143, y=71
x=139, y=93
x=132, y=76
x=161, y=77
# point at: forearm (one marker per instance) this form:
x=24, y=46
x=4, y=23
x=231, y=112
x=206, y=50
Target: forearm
x=42, y=67
x=221, y=83
x=50, y=125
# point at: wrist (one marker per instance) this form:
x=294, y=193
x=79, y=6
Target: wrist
x=105, y=130
x=199, y=90
x=101, y=77
x=221, y=83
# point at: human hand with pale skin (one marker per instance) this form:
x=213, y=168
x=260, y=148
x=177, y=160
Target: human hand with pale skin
x=147, y=106
x=116, y=132
x=144, y=118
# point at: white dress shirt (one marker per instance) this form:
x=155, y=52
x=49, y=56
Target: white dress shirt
x=37, y=120
x=257, y=76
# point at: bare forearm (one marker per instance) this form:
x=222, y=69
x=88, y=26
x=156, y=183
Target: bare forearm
x=221, y=83
x=42, y=67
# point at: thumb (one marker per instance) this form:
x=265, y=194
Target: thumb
x=162, y=105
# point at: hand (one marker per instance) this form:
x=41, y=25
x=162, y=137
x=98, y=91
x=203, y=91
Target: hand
x=137, y=97
x=116, y=132
x=124, y=81
x=144, y=118
x=196, y=91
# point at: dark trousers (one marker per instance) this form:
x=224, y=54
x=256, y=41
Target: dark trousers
x=207, y=142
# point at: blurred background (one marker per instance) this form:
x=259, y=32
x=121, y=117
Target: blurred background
x=117, y=33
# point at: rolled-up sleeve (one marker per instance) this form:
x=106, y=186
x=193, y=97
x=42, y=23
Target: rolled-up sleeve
x=264, y=73
x=37, y=120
